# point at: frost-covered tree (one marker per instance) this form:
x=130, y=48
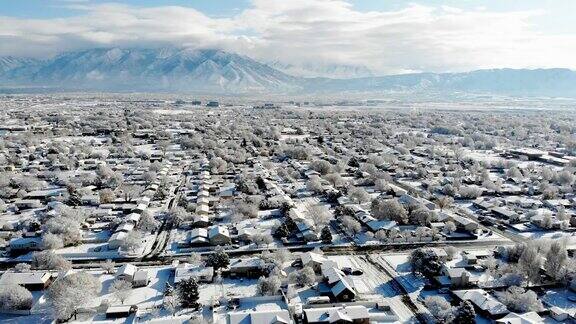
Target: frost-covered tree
x=48, y=260
x=106, y=196
x=335, y=180
x=14, y=297
x=147, y=222
x=194, y=259
x=268, y=286
x=68, y=228
x=556, y=258
x=450, y=227
x=131, y=192
x=132, y=241
x=314, y=185
x=444, y=202
x=320, y=214
x=303, y=277
x=351, y=224
x=389, y=209
x=518, y=299
x=66, y=295
x=440, y=308
x=178, y=215
x=22, y=267
x=530, y=263
x=51, y=241
x=321, y=166
x=358, y=195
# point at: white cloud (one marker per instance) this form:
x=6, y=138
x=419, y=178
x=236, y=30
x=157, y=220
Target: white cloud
x=416, y=38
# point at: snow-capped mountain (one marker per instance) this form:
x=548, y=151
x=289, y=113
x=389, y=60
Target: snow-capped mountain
x=512, y=82
x=216, y=71
x=10, y=62
x=334, y=71
x=152, y=69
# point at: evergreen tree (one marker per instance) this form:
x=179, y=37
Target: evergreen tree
x=282, y=231
x=188, y=293
x=169, y=290
x=465, y=314
x=218, y=259
x=326, y=235
x=74, y=198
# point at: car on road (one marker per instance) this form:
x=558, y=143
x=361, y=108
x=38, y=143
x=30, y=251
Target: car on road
x=352, y=272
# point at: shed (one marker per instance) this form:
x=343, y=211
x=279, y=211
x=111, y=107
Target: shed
x=120, y=311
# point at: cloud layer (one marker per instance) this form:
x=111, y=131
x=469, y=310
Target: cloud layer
x=304, y=32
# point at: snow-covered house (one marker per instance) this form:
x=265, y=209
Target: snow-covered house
x=30, y=280
x=339, y=286
x=525, y=318
x=313, y=260
x=247, y=268
x=219, y=235
x=126, y=272
x=337, y=314
x=116, y=240
x=484, y=303
x=186, y=270
x=198, y=236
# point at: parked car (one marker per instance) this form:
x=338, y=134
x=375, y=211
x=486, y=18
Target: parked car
x=352, y=272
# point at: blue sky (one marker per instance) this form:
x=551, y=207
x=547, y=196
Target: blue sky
x=386, y=36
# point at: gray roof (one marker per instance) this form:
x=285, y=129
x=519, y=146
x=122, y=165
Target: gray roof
x=333, y=314
x=260, y=317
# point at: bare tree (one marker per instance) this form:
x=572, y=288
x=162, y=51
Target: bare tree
x=131, y=192
x=121, y=289
x=108, y=266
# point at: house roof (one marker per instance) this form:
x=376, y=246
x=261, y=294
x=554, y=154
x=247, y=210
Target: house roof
x=526, y=318
x=260, y=317
x=248, y=263
x=24, y=278
x=141, y=275
x=218, y=230
x=187, y=270
x=309, y=257
x=198, y=232
x=126, y=270
x=337, y=313
x=482, y=300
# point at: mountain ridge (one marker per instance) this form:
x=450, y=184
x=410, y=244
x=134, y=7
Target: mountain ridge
x=213, y=70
